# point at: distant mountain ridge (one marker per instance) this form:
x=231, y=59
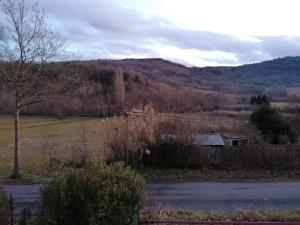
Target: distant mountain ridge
x=280, y=72
x=250, y=78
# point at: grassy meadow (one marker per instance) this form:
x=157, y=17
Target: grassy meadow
x=47, y=141
x=46, y=138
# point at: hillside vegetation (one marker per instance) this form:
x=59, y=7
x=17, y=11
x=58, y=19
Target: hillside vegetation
x=168, y=86
x=281, y=72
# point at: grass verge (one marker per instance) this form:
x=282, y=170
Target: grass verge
x=251, y=216
x=217, y=175
x=178, y=175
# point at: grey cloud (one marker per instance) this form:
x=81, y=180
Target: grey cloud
x=281, y=45
x=107, y=29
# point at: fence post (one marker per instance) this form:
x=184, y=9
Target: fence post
x=136, y=215
x=26, y=213
x=127, y=131
x=287, y=156
x=11, y=210
x=293, y=156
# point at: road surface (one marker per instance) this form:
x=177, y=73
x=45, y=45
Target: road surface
x=224, y=197
x=203, y=196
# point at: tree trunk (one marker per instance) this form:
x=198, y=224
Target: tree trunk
x=16, y=171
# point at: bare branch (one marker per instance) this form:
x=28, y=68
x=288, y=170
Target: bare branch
x=27, y=46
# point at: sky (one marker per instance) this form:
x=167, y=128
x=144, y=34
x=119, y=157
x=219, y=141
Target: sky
x=191, y=32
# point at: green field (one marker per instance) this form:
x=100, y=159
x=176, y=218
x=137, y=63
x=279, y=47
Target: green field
x=45, y=137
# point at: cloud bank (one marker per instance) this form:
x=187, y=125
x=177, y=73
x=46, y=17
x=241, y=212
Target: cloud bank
x=106, y=29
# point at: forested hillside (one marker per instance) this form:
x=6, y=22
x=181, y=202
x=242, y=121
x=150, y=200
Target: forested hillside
x=168, y=86
x=281, y=72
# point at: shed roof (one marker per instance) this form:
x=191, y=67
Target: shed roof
x=233, y=136
x=200, y=139
x=209, y=139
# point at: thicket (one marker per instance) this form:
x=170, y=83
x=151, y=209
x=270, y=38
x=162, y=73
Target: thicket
x=96, y=194
x=273, y=127
x=129, y=138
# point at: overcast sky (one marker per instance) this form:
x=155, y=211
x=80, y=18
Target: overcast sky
x=192, y=32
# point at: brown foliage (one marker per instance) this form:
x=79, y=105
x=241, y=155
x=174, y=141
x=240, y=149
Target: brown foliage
x=90, y=98
x=127, y=138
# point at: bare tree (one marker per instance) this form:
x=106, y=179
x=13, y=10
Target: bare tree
x=119, y=89
x=29, y=48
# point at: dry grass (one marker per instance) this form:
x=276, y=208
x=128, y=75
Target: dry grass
x=217, y=121
x=220, y=175
x=128, y=138
x=48, y=142
x=45, y=139
x=251, y=216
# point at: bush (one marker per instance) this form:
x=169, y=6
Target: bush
x=96, y=194
x=4, y=208
x=272, y=126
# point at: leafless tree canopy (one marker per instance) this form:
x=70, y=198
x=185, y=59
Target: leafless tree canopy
x=27, y=34
x=28, y=46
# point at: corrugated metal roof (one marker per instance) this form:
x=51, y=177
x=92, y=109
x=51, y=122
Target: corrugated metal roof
x=199, y=139
x=209, y=139
x=234, y=136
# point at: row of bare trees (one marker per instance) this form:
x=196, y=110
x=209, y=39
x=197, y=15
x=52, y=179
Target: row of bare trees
x=92, y=99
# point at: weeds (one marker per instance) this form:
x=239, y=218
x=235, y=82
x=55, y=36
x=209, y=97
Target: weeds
x=251, y=216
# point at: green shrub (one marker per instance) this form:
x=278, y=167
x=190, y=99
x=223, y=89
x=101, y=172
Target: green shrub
x=94, y=195
x=272, y=126
x=4, y=208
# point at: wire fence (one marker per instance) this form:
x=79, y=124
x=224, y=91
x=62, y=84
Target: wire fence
x=23, y=209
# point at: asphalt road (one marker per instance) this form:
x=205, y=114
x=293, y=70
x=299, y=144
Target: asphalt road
x=203, y=196
x=224, y=197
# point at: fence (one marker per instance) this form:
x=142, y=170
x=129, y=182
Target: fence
x=22, y=210
x=266, y=156
x=177, y=222
x=251, y=155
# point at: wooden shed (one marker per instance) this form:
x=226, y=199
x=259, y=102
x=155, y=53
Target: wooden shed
x=235, y=140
